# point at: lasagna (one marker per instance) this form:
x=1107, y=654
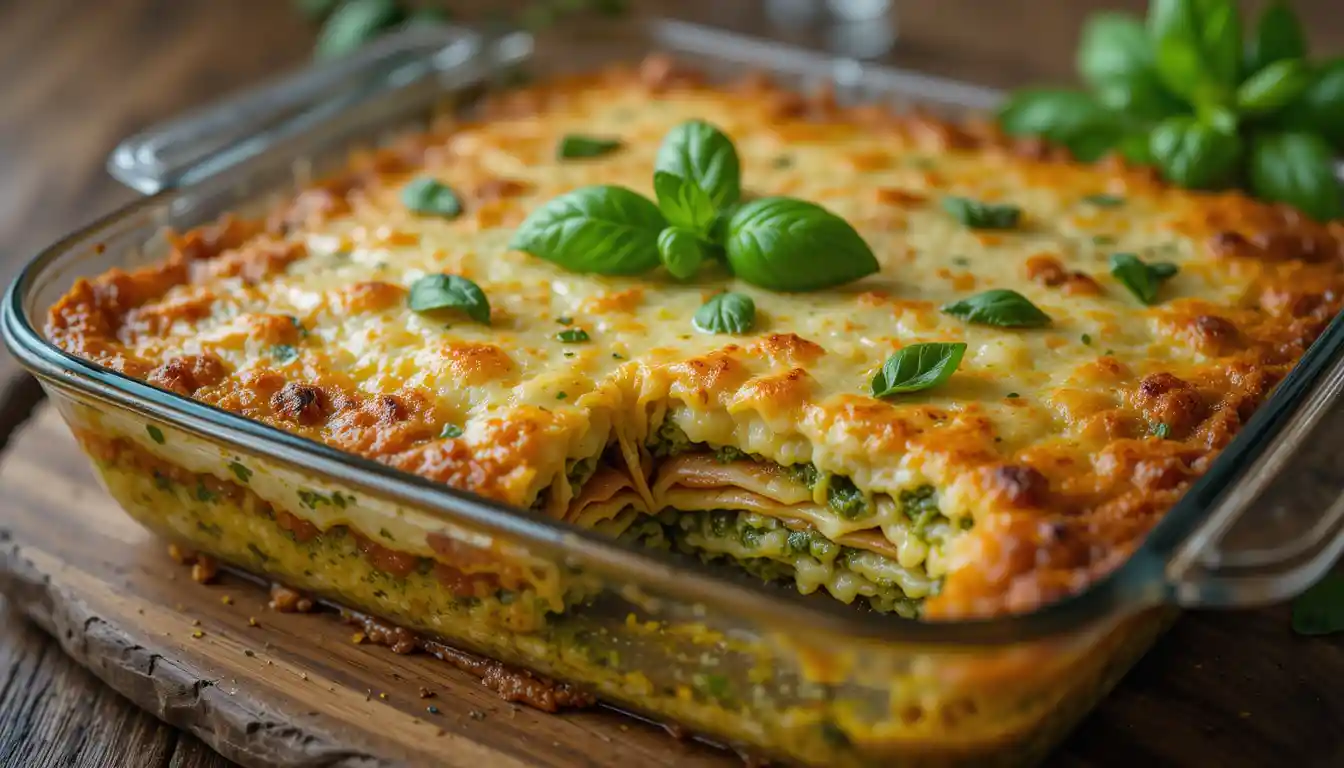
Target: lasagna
x=1036, y=467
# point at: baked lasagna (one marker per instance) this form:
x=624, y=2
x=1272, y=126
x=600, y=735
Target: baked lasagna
x=1037, y=465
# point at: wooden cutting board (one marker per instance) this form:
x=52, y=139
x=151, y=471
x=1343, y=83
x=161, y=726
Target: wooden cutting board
x=1220, y=689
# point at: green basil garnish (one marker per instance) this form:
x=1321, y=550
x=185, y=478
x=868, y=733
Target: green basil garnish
x=284, y=353
x=726, y=313
x=1194, y=154
x=605, y=230
x=703, y=155
x=1001, y=307
x=353, y=23
x=1142, y=280
x=450, y=432
x=572, y=336
x=1297, y=168
x=684, y=203
x=1104, y=201
x=1273, y=87
x=978, y=215
x=430, y=196
x=918, y=367
x=1161, y=430
x=777, y=243
x=433, y=292
x=1277, y=36
x=1320, y=108
x=681, y=252
x=789, y=245
x=1198, y=49
x=576, y=146
x=155, y=434
x=1320, y=610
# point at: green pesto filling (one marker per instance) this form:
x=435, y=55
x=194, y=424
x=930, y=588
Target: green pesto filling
x=766, y=548
x=581, y=471
x=842, y=496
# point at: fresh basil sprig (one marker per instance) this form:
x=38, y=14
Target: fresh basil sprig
x=777, y=243
x=433, y=292
x=1142, y=280
x=726, y=312
x=1000, y=307
x=918, y=367
x=1208, y=106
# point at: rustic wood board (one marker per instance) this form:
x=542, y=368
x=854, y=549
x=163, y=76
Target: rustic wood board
x=1221, y=689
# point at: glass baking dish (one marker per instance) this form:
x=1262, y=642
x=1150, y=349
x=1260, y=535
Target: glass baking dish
x=763, y=670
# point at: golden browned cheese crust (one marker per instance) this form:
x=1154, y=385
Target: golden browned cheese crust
x=1044, y=438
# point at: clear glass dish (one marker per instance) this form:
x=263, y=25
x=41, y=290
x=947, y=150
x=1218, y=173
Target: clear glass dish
x=760, y=669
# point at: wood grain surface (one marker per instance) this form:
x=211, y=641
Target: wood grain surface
x=76, y=76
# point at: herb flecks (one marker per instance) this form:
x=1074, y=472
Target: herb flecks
x=979, y=215
x=572, y=336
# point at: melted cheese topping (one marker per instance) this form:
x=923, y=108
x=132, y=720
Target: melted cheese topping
x=1043, y=437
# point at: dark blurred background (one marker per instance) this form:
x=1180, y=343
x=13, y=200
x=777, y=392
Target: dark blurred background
x=76, y=76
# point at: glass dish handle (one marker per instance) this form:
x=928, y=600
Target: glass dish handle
x=1279, y=528
x=219, y=135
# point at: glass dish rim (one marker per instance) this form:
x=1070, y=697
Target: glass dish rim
x=1137, y=583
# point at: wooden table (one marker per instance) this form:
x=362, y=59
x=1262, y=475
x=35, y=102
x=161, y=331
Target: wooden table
x=1235, y=688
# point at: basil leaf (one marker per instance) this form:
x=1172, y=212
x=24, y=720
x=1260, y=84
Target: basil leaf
x=1192, y=154
x=1001, y=307
x=1320, y=107
x=917, y=367
x=1070, y=118
x=354, y=23
x=726, y=313
x=572, y=336
x=789, y=245
x=284, y=353
x=604, y=230
x=1273, y=87
x=430, y=196
x=1104, y=200
x=978, y=215
x=1297, y=168
x=576, y=146
x=1277, y=36
x=683, y=203
x=702, y=155
x=1197, y=46
x=1142, y=280
x=1320, y=610
x=433, y=292
x=681, y=252
x=450, y=432
x=1114, y=46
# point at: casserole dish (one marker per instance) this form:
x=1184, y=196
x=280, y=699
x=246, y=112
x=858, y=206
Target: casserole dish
x=807, y=680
